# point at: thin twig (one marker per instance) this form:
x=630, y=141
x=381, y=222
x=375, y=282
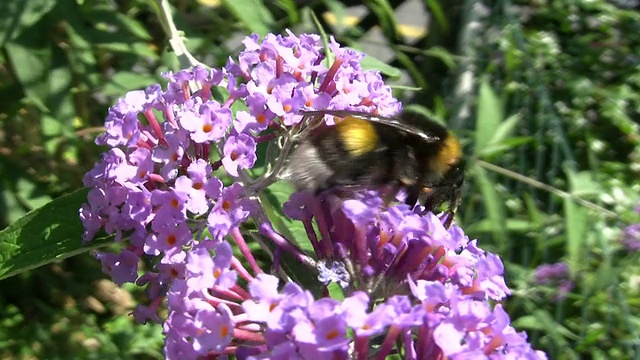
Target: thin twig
x=545, y=187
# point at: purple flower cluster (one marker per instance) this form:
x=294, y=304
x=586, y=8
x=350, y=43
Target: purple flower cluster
x=382, y=248
x=409, y=280
x=410, y=284
x=556, y=276
x=631, y=235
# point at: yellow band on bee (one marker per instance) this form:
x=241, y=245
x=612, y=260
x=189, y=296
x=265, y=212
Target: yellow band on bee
x=448, y=155
x=358, y=136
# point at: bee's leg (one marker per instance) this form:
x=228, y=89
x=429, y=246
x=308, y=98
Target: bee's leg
x=413, y=194
x=451, y=212
x=454, y=198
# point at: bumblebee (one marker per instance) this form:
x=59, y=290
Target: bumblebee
x=406, y=151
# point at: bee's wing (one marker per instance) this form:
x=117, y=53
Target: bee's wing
x=387, y=121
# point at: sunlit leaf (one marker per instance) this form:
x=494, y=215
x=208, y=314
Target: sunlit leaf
x=253, y=14
x=18, y=15
x=52, y=232
x=488, y=118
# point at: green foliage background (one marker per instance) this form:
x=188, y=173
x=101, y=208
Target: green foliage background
x=544, y=94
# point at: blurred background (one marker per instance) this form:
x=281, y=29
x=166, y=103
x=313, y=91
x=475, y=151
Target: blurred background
x=544, y=95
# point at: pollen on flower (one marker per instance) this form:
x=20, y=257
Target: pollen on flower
x=216, y=273
x=307, y=103
x=474, y=288
x=332, y=334
x=261, y=119
x=142, y=174
x=384, y=239
x=174, y=203
x=287, y=108
x=272, y=306
x=207, y=128
x=224, y=331
x=197, y=185
x=171, y=239
x=492, y=345
x=226, y=205
x=234, y=155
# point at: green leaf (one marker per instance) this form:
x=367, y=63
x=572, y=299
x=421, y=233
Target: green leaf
x=50, y=233
x=253, y=15
x=440, y=108
x=541, y=320
x=31, y=66
x=31, y=193
x=492, y=203
x=502, y=133
x=606, y=275
x=386, y=17
x=137, y=48
x=132, y=80
x=536, y=217
x=289, y=7
x=335, y=291
x=273, y=199
x=424, y=111
x=45, y=77
x=371, y=63
x=125, y=81
x=528, y=322
x=109, y=24
x=18, y=15
x=133, y=26
x=438, y=13
x=583, y=183
x=489, y=117
x=443, y=55
x=495, y=150
x=60, y=102
x=576, y=221
x=414, y=70
x=553, y=328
